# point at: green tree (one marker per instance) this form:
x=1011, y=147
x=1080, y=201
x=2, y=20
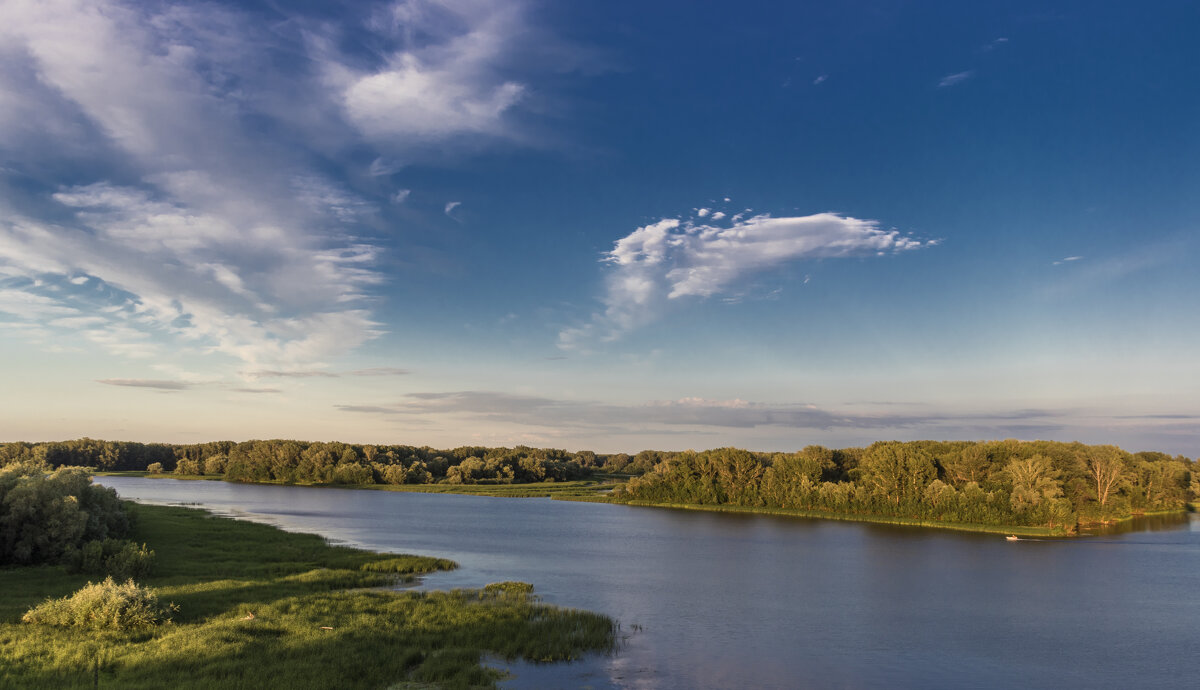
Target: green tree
x=897, y=472
x=1034, y=481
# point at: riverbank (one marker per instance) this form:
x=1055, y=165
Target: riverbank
x=259, y=607
x=581, y=488
x=1018, y=530
x=599, y=491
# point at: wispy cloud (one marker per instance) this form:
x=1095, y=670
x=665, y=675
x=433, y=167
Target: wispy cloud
x=147, y=383
x=531, y=411
x=1066, y=259
x=674, y=259
x=274, y=374
x=955, y=79
x=381, y=371
x=820, y=80
x=322, y=374
x=197, y=210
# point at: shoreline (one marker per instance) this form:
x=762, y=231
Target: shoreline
x=1018, y=530
x=588, y=491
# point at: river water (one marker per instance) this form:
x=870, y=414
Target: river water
x=711, y=600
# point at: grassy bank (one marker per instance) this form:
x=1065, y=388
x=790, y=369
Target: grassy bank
x=259, y=607
x=856, y=517
x=582, y=488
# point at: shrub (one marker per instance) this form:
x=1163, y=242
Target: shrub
x=187, y=467
x=104, y=605
x=154, y=468
x=43, y=517
x=119, y=558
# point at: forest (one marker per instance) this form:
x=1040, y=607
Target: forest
x=1019, y=483
x=1022, y=483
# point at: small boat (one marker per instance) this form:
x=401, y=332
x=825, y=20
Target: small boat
x=1012, y=537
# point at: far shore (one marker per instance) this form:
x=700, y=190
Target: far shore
x=593, y=491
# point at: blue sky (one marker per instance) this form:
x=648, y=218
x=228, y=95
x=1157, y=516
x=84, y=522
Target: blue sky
x=605, y=225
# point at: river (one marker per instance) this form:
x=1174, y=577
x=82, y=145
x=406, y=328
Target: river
x=717, y=601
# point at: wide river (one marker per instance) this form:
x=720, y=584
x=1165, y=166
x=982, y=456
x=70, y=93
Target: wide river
x=733, y=601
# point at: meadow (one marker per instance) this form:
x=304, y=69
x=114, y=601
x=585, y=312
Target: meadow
x=259, y=607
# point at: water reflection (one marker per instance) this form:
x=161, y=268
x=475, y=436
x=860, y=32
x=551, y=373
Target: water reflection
x=773, y=602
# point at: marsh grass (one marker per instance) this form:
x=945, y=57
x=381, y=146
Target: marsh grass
x=258, y=607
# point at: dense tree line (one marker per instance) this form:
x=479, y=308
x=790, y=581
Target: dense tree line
x=301, y=462
x=1034, y=483
x=995, y=482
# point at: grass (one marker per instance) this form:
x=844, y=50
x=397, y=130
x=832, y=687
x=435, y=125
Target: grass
x=258, y=607
x=863, y=517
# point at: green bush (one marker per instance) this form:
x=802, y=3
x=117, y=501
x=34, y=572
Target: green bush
x=43, y=517
x=119, y=558
x=104, y=605
x=155, y=468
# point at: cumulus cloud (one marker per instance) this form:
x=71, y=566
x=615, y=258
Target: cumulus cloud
x=674, y=259
x=955, y=79
x=442, y=80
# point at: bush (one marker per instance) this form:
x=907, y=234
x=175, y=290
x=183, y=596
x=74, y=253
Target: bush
x=119, y=558
x=42, y=518
x=154, y=468
x=104, y=605
x=187, y=467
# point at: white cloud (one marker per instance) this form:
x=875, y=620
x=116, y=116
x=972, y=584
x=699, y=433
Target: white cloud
x=209, y=218
x=671, y=259
x=955, y=79
x=820, y=79
x=718, y=215
x=1066, y=259
x=450, y=206
x=431, y=91
x=401, y=196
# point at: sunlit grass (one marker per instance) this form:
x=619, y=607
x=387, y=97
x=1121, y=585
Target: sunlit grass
x=258, y=607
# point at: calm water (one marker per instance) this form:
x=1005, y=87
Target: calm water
x=728, y=601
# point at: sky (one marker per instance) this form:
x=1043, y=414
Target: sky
x=601, y=225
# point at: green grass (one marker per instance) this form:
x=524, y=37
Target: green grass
x=259, y=607
x=862, y=517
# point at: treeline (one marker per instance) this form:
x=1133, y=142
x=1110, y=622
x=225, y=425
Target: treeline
x=1029, y=483
x=301, y=462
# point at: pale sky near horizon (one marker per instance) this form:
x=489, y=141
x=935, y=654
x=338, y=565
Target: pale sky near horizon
x=601, y=225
